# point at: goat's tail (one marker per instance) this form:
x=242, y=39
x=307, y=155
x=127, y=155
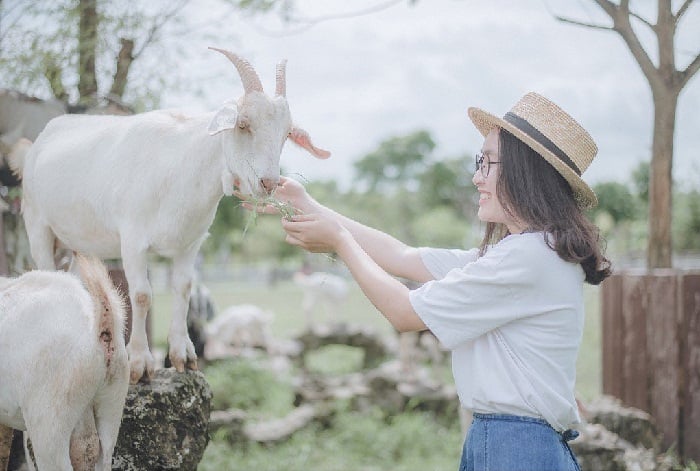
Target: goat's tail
x=109, y=304
x=17, y=154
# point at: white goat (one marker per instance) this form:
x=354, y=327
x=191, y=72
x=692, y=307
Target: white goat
x=129, y=185
x=65, y=371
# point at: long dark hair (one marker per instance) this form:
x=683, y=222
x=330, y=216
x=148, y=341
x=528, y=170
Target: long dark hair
x=534, y=193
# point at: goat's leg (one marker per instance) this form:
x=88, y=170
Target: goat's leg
x=41, y=242
x=50, y=449
x=141, y=360
x=182, y=354
x=108, y=409
x=84, y=443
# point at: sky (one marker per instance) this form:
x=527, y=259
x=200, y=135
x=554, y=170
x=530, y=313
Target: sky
x=356, y=81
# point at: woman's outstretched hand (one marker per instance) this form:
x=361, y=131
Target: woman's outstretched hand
x=314, y=232
x=290, y=197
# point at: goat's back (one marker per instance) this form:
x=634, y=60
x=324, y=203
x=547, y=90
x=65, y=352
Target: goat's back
x=154, y=178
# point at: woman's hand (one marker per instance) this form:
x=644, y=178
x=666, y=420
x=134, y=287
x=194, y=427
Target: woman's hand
x=314, y=232
x=289, y=194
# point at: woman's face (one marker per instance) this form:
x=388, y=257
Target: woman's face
x=490, y=208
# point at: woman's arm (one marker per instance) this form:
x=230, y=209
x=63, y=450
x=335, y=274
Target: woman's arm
x=392, y=255
x=318, y=233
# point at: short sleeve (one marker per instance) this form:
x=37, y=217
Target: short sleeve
x=440, y=261
x=477, y=297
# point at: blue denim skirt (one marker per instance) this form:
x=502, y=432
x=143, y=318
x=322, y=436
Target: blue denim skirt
x=502, y=442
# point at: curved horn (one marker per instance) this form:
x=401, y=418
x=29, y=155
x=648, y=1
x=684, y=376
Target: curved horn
x=250, y=79
x=281, y=88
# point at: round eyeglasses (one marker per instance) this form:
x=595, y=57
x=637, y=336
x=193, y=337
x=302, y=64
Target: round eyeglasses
x=483, y=164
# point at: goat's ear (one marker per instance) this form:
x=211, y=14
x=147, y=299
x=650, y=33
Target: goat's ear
x=224, y=119
x=302, y=139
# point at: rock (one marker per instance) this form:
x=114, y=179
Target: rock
x=231, y=422
x=375, y=348
x=598, y=449
x=631, y=424
x=165, y=423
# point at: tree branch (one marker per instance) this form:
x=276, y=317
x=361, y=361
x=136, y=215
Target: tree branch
x=124, y=60
x=681, y=11
x=691, y=70
x=620, y=15
x=581, y=23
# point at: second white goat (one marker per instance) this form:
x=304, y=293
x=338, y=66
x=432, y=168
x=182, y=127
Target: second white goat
x=124, y=186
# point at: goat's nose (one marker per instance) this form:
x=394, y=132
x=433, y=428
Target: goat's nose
x=269, y=184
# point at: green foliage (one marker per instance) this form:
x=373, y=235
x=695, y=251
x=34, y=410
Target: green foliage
x=396, y=162
x=686, y=226
x=640, y=178
x=441, y=227
x=244, y=385
x=449, y=182
x=617, y=200
x=335, y=360
x=368, y=441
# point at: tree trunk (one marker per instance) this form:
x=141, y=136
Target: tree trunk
x=660, y=182
x=124, y=60
x=87, y=45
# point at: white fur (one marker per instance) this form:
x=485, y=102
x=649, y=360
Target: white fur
x=126, y=186
x=62, y=381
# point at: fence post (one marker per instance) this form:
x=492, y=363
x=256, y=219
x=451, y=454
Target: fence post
x=651, y=350
x=690, y=366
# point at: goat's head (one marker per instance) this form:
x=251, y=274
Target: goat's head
x=256, y=127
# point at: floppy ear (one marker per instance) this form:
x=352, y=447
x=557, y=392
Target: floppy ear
x=302, y=139
x=224, y=119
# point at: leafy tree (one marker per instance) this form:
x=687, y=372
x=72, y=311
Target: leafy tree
x=396, y=162
x=87, y=49
x=449, y=182
x=617, y=200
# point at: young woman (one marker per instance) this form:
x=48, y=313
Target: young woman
x=511, y=311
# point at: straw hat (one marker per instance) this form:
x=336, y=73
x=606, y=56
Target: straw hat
x=550, y=132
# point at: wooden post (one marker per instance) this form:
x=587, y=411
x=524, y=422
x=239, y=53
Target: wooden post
x=611, y=312
x=651, y=350
x=635, y=301
x=663, y=355
x=690, y=366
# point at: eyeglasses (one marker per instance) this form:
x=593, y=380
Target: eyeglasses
x=483, y=164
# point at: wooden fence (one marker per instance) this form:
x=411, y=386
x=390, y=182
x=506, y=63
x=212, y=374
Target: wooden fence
x=651, y=350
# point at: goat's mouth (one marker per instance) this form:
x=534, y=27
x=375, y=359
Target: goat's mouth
x=259, y=188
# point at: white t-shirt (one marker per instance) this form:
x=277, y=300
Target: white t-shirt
x=513, y=320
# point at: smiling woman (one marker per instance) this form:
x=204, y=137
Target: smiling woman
x=512, y=310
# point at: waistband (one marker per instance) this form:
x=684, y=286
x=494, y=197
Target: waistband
x=566, y=435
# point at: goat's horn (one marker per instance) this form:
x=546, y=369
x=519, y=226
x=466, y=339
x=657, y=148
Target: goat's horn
x=281, y=89
x=250, y=79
